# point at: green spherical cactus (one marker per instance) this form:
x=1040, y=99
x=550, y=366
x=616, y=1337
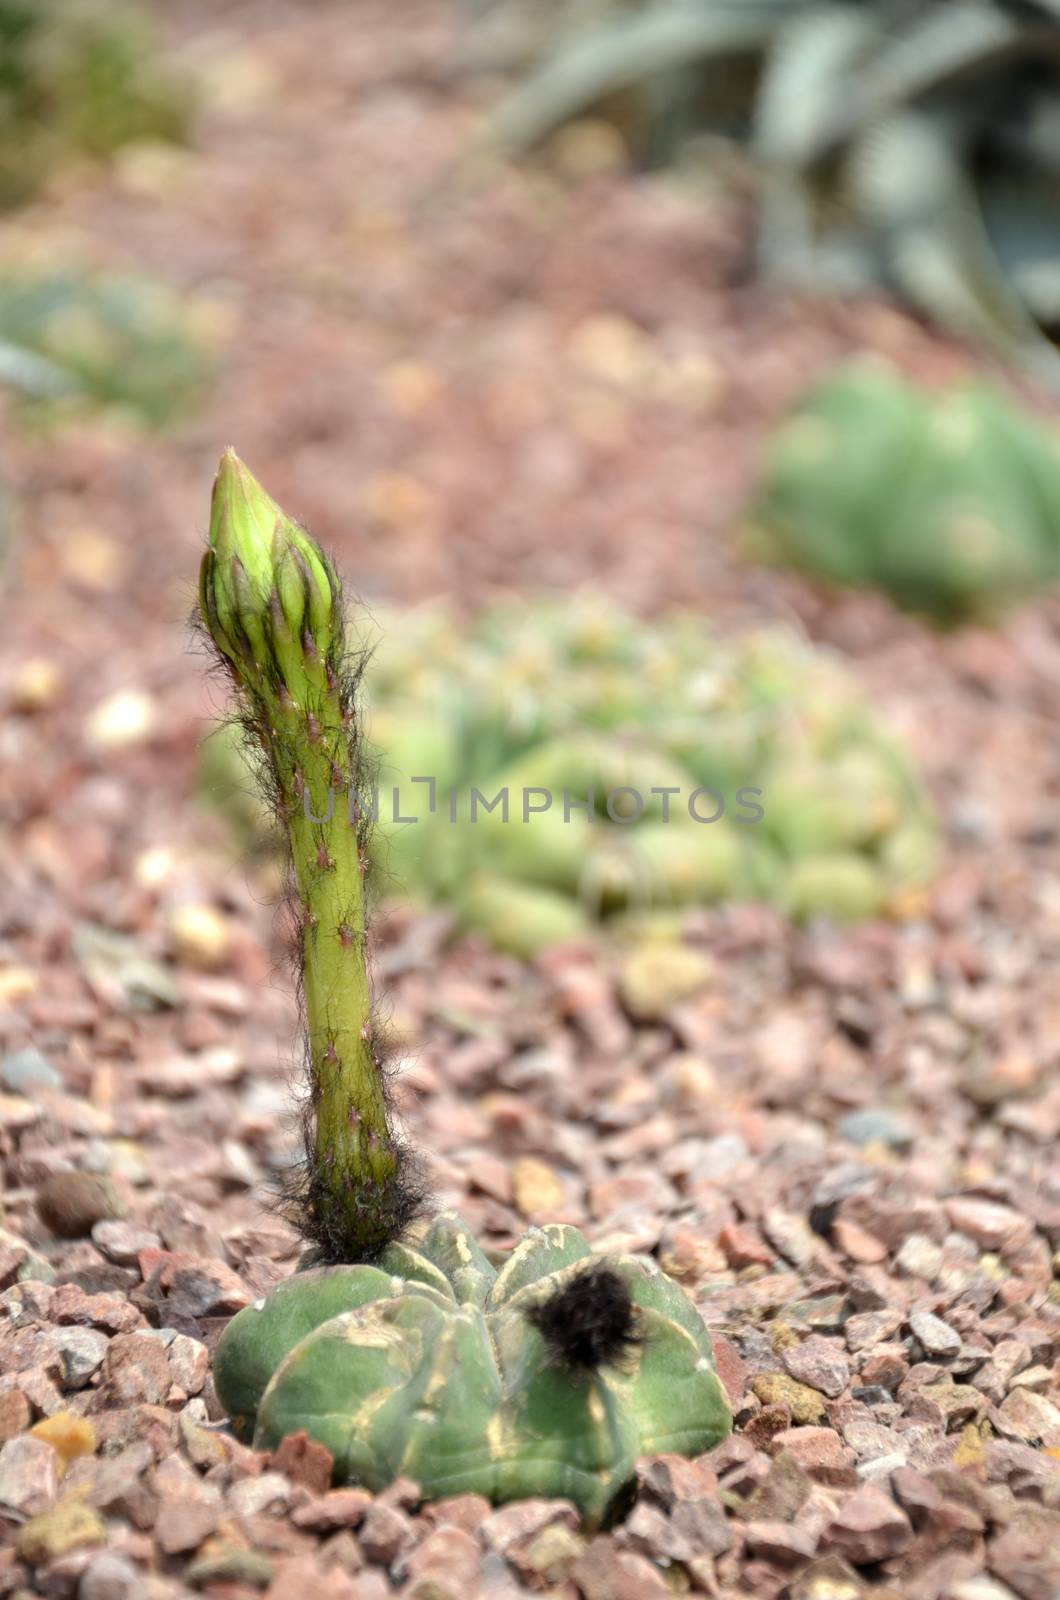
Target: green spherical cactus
x=411, y=1354
x=949, y=504
x=518, y=917
x=549, y=1377
x=841, y=887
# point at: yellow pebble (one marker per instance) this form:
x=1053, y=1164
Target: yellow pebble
x=589, y=148
x=201, y=935
x=535, y=1186
x=69, y=1436
x=971, y=1451
x=122, y=720
x=16, y=983
x=37, y=684
x=66, y=1526
x=92, y=559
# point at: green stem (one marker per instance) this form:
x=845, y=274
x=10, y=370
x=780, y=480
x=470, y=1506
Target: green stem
x=271, y=603
x=353, y=1147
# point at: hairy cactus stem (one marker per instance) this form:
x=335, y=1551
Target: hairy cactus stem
x=271, y=602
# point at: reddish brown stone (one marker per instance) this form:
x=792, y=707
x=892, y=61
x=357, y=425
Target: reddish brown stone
x=732, y=1368
x=868, y=1527
x=340, y=1508
x=304, y=1461
x=743, y=1246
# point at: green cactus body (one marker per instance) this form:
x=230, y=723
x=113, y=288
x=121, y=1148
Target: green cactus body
x=910, y=856
x=415, y=743
x=433, y=1370
x=584, y=765
x=407, y=848
x=842, y=887
x=820, y=806
x=545, y=850
x=687, y=863
x=951, y=505
x=719, y=748
x=521, y=918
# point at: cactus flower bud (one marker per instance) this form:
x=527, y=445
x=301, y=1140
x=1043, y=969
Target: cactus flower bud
x=242, y=521
x=268, y=594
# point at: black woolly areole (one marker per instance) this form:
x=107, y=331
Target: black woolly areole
x=589, y=1322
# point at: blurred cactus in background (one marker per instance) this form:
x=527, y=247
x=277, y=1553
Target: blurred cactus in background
x=78, y=78
x=72, y=341
x=913, y=142
x=949, y=503
x=577, y=696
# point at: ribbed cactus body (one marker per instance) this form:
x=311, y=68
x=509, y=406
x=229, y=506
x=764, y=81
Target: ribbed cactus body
x=683, y=863
x=519, y=917
x=841, y=886
x=949, y=503
x=433, y=1369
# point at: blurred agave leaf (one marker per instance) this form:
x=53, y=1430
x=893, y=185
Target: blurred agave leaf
x=881, y=132
x=665, y=37
x=71, y=341
x=935, y=49
x=1023, y=221
x=507, y=37
x=34, y=375
x=796, y=111
x=794, y=118
x=913, y=189
x=79, y=77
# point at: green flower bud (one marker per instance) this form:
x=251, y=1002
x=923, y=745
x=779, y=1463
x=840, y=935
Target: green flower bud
x=243, y=519
x=268, y=594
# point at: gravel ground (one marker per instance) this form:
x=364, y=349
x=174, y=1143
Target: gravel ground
x=843, y=1144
